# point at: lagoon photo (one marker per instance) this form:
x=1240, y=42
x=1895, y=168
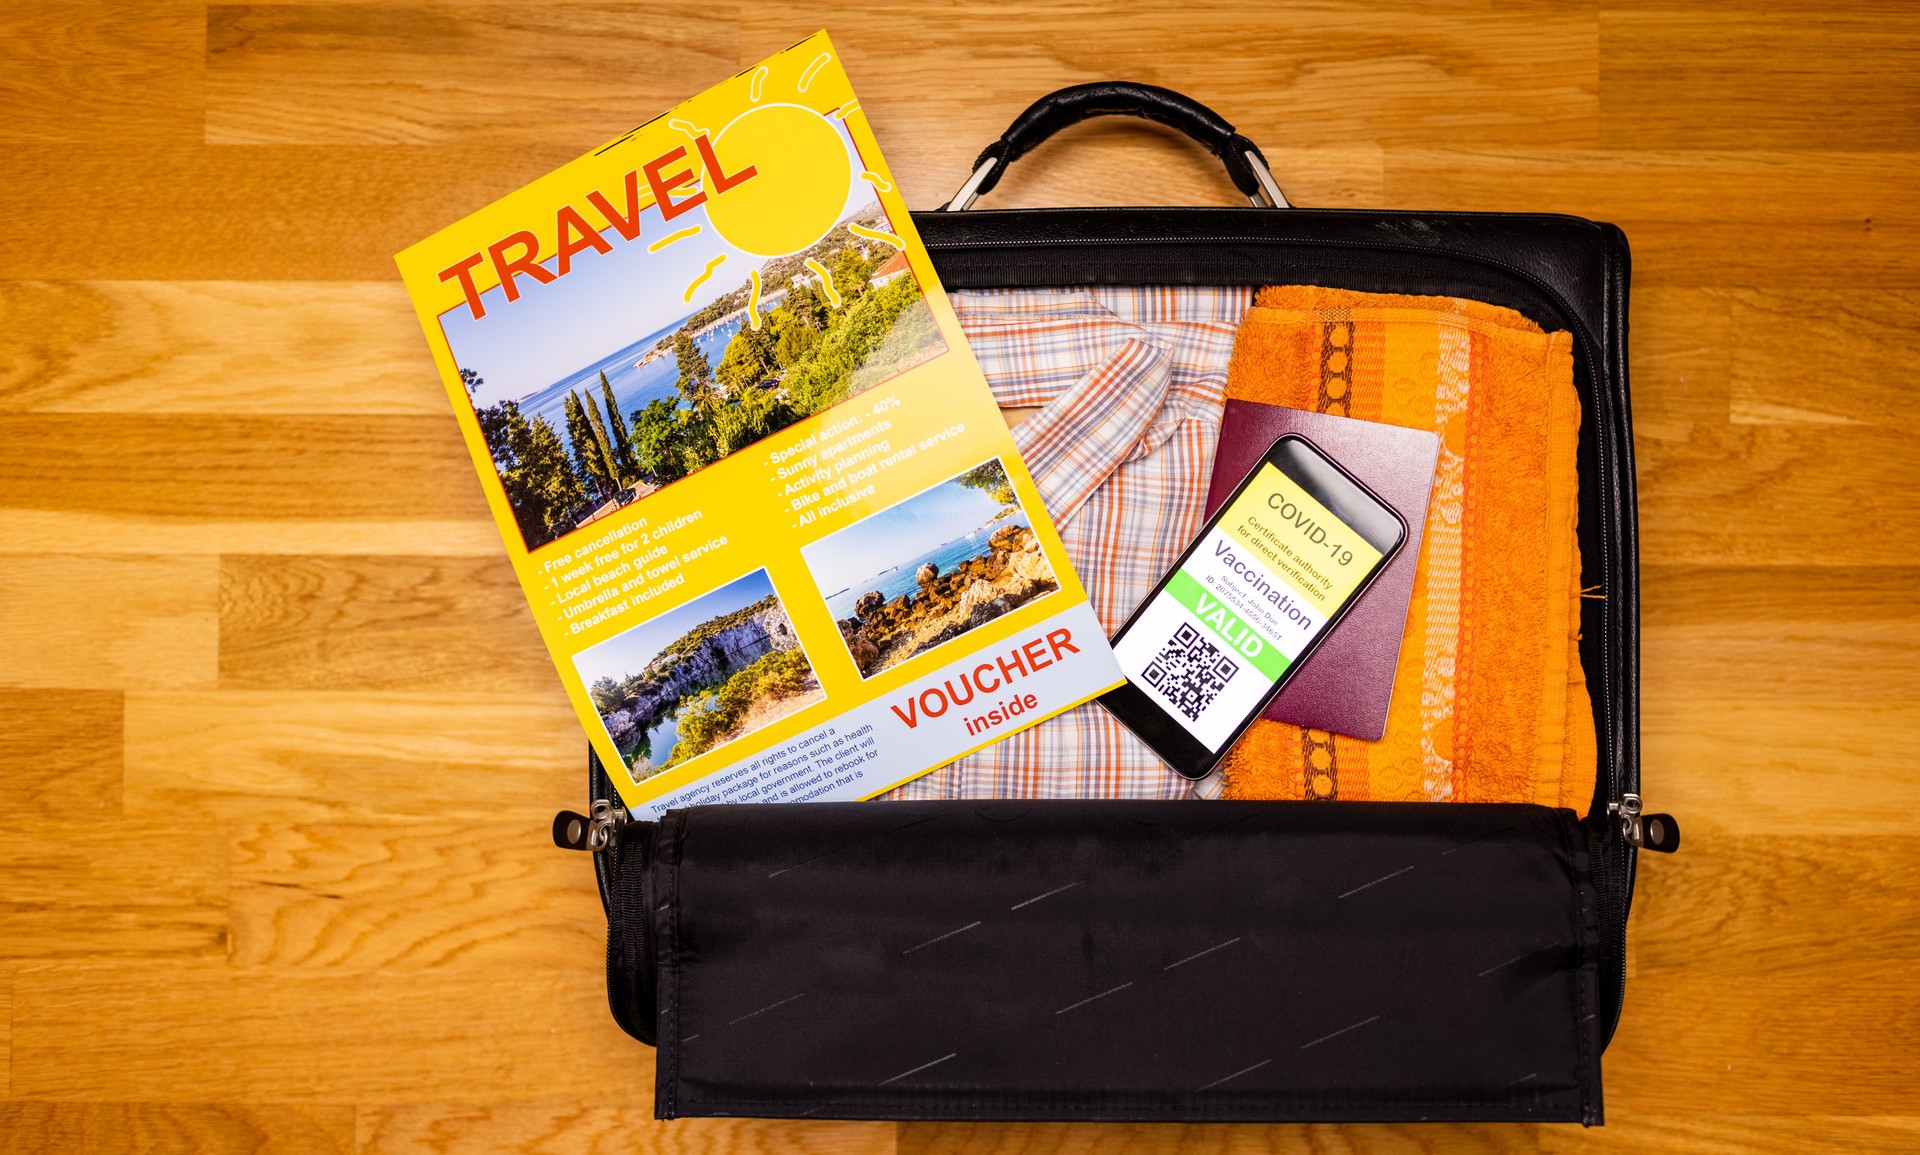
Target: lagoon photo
x=926, y=570
x=699, y=676
x=751, y=346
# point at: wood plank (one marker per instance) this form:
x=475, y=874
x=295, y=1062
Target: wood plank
x=412, y=73
x=1782, y=187
x=84, y=888
x=1681, y=359
x=100, y=623
x=410, y=895
x=212, y=1128
x=87, y=1031
x=1829, y=358
x=271, y=212
x=1771, y=633
x=1817, y=255
x=1668, y=1134
x=1214, y=1138
x=215, y=347
x=383, y=623
x=1734, y=1132
x=1830, y=1036
x=116, y=533
x=123, y=72
x=1694, y=78
x=423, y=74
x=60, y=755
x=390, y=467
x=1775, y=219
x=1777, y=495
x=311, y=756
x=592, y=1127
x=1836, y=769
x=1430, y=73
x=1753, y=910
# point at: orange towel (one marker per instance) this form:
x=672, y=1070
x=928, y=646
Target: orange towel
x=1489, y=703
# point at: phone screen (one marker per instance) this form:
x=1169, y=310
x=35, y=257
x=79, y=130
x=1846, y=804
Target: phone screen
x=1248, y=601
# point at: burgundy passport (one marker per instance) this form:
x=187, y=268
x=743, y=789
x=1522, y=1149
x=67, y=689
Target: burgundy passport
x=1347, y=684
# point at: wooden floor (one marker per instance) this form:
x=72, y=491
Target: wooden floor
x=279, y=744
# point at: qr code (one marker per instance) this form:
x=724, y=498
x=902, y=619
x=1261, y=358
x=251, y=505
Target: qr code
x=1190, y=671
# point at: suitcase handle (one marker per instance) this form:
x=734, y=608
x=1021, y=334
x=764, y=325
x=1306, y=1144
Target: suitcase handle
x=1068, y=106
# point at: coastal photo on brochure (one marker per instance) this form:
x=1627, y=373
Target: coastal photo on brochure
x=718, y=668
x=924, y=571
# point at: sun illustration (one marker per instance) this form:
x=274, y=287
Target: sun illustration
x=804, y=173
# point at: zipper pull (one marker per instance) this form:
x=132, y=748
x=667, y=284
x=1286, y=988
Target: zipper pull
x=575, y=831
x=1646, y=831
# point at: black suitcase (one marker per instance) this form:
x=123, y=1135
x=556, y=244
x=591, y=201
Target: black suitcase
x=1174, y=961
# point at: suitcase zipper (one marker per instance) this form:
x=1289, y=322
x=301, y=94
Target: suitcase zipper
x=609, y=833
x=1645, y=831
x=591, y=832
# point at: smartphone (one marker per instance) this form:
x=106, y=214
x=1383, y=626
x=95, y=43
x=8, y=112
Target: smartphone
x=1248, y=602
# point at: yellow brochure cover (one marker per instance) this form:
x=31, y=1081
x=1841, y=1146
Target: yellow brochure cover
x=769, y=520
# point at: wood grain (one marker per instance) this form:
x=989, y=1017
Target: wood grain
x=6, y=1034
x=62, y=753
x=112, y=533
x=1690, y=77
x=88, y=1128
x=1821, y=1034
x=213, y=347
x=320, y=895
x=148, y=892
x=255, y=622
x=1527, y=76
x=382, y=623
x=1803, y=494
x=1833, y=358
x=296, y=212
x=1763, y=902
x=588, y=1127
x=1682, y=339
x=118, y=72
x=1817, y=769
x=395, y=468
x=1653, y=1135
x=104, y=623
x=1779, y=632
x=429, y=73
x=316, y=755
x=91, y=1030
x=1725, y=216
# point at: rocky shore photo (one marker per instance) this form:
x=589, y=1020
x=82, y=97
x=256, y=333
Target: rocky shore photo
x=697, y=677
x=922, y=572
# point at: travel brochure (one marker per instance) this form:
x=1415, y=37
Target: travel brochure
x=773, y=529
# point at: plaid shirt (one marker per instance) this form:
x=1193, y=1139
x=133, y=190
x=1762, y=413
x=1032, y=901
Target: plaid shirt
x=1130, y=382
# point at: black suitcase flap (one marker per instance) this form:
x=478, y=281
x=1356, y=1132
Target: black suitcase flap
x=1125, y=960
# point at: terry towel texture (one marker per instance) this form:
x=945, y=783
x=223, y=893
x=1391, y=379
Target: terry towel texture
x=1490, y=703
